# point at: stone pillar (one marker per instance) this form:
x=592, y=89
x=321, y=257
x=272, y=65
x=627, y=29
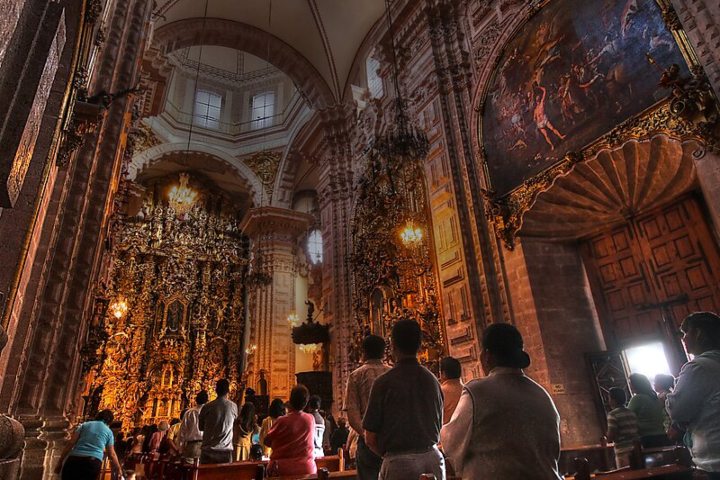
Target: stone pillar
x=555, y=313
x=274, y=233
x=44, y=393
x=701, y=21
x=707, y=170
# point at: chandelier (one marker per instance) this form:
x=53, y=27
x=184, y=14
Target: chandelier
x=402, y=141
x=119, y=308
x=411, y=235
x=181, y=197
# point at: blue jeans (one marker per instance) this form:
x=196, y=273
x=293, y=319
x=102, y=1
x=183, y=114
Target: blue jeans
x=368, y=464
x=412, y=465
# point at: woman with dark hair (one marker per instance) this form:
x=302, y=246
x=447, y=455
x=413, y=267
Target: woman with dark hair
x=649, y=411
x=505, y=425
x=275, y=411
x=87, y=448
x=292, y=438
x=244, y=428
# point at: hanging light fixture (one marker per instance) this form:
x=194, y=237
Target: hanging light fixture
x=181, y=197
x=402, y=141
x=119, y=308
x=411, y=235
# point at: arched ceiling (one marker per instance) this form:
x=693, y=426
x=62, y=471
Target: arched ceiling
x=328, y=33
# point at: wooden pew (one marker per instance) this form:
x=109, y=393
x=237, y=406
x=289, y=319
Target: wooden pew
x=666, y=463
x=249, y=470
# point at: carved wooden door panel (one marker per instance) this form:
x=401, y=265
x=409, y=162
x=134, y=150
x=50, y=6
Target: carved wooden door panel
x=648, y=274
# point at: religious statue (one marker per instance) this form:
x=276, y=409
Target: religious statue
x=262, y=383
x=174, y=316
x=310, y=311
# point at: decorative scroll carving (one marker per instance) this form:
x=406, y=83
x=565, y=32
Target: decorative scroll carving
x=183, y=282
x=691, y=113
x=265, y=165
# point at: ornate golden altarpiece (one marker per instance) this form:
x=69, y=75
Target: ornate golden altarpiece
x=171, y=320
x=394, y=275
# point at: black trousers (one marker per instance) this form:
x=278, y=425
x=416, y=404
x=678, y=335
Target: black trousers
x=81, y=468
x=368, y=464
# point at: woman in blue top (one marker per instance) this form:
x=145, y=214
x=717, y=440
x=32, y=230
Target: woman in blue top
x=86, y=450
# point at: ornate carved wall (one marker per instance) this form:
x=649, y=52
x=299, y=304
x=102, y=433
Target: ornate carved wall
x=175, y=312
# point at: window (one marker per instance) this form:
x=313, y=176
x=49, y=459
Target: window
x=207, y=109
x=262, y=110
x=375, y=84
x=648, y=359
x=315, y=247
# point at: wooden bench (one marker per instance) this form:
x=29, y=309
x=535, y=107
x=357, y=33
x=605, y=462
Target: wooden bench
x=667, y=463
x=250, y=470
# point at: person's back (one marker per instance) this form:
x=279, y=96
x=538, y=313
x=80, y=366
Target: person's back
x=291, y=438
x=515, y=431
x=94, y=436
x=216, y=421
x=649, y=412
x=622, y=427
x=412, y=408
x=313, y=407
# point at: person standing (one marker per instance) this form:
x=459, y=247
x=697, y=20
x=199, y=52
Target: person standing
x=451, y=385
x=506, y=426
x=622, y=427
x=244, y=429
x=190, y=436
x=695, y=402
x=404, y=414
x=649, y=411
x=86, y=450
x=216, y=421
x=275, y=411
x=292, y=438
x=357, y=395
x=339, y=437
x=314, y=409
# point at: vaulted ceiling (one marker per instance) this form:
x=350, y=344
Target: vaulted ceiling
x=328, y=33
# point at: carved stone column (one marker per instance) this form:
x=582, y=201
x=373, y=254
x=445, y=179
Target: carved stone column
x=44, y=392
x=274, y=233
x=701, y=21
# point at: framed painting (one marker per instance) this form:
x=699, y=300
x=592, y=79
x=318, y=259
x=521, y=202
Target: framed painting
x=572, y=73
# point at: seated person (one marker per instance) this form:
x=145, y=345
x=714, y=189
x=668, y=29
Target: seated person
x=292, y=438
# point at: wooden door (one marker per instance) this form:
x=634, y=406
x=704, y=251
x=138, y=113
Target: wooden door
x=648, y=274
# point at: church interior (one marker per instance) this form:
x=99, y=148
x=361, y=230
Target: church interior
x=213, y=189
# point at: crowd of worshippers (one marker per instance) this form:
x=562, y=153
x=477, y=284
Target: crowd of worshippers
x=405, y=423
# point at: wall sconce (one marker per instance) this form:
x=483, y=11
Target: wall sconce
x=251, y=349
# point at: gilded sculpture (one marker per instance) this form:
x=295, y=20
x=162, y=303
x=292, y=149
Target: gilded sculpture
x=183, y=279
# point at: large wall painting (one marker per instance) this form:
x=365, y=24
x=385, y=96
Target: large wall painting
x=572, y=73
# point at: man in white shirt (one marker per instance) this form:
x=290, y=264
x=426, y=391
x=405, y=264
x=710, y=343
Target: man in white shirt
x=505, y=426
x=695, y=402
x=190, y=435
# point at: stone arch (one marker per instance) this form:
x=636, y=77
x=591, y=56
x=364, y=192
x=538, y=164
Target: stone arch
x=237, y=35
x=151, y=155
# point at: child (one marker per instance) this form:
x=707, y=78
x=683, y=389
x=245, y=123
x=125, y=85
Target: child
x=622, y=427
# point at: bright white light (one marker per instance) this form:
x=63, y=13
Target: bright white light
x=648, y=359
x=315, y=247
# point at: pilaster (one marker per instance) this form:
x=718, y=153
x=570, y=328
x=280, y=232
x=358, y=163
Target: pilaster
x=274, y=233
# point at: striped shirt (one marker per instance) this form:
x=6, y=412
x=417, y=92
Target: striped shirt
x=623, y=425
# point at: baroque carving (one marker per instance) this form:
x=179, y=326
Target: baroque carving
x=691, y=113
x=265, y=165
x=393, y=279
x=171, y=319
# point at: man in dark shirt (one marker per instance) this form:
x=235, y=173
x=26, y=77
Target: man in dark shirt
x=404, y=414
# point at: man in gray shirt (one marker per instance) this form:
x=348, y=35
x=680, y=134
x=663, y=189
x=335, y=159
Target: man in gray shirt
x=404, y=414
x=216, y=422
